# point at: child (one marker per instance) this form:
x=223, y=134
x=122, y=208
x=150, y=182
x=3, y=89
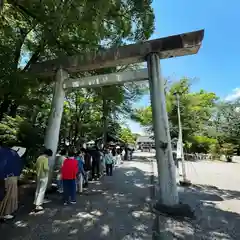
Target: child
x=109, y=161
x=69, y=172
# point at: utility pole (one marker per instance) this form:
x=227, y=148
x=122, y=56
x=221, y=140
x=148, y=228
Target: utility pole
x=180, y=153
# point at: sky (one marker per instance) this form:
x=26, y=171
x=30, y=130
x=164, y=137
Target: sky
x=216, y=67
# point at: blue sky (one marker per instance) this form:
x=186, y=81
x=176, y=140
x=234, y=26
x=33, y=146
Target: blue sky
x=217, y=65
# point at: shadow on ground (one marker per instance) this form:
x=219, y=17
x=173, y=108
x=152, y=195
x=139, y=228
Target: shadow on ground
x=117, y=208
x=213, y=220
x=151, y=157
x=143, y=158
x=114, y=208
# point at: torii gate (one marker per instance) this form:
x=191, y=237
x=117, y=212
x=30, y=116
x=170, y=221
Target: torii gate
x=151, y=51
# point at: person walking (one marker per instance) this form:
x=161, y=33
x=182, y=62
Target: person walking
x=69, y=173
x=10, y=169
x=42, y=169
x=109, y=161
x=87, y=160
x=87, y=164
x=123, y=154
x=10, y=202
x=118, y=158
x=131, y=153
x=96, y=161
x=60, y=161
x=81, y=177
x=103, y=167
x=114, y=154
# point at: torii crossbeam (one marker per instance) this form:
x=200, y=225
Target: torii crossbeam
x=167, y=47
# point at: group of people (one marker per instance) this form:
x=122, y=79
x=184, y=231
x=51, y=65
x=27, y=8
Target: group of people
x=73, y=170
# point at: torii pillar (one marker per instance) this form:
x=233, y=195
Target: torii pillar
x=54, y=121
x=168, y=194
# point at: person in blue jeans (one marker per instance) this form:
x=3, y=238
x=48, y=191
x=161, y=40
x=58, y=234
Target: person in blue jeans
x=82, y=176
x=59, y=164
x=109, y=161
x=69, y=174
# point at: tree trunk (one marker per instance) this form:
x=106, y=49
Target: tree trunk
x=105, y=120
x=238, y=150
x=13, y=110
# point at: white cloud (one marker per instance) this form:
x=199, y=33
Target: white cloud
x=234, y=95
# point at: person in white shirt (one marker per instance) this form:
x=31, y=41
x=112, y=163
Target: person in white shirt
x=118, y=157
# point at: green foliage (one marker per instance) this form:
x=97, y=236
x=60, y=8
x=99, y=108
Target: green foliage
x=227, y=149
x=9, y=130
x=208, y=125
x=195, y=110
x=225, y=125
x=32, y=31
x=30, y=136
x=127, y=136
x=143, y=116
x=202, y=144
x=14, y=131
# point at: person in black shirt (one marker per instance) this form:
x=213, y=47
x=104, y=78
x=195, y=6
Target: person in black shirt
x=114, y=152
x=96, y=160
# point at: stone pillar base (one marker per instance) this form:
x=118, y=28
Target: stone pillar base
x=176, y=211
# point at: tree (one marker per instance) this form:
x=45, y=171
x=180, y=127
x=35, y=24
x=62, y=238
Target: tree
x=195, y=108
x=225, y=126
x=201, y=144
x=127, y=136
x=32, y=31
x=117, y=100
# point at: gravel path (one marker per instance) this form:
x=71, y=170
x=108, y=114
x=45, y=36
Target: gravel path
x=215, y=197
x=117, y=208
x=113, y=208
